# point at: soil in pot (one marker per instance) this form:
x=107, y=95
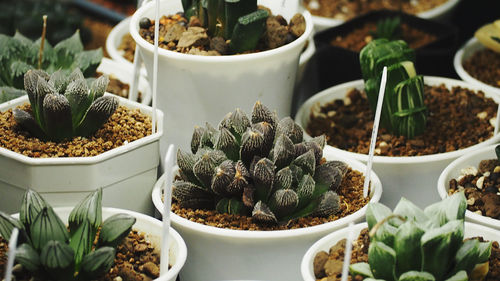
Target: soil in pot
x=127, y=47
x=347, y=9
x=119, y=88
x=484, y=65
x=457, y=118
x=481, y=186
x=124, y=126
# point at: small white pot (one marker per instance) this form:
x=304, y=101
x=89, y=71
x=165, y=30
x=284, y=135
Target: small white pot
x=305, y=56
x=411, y=177
x=452, y=171
x=324, y=244
x=472, y=46
x=440, y=13
x=124, y=73
x=152, y=230
x=126, y=174
x=193, y=89
x=222, y=254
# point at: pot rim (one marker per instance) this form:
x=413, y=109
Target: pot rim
x=304, y=110
x=134, y=26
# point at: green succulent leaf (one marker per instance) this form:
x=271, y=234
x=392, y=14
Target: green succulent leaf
x=98, y=113
x=459, y=276
x=376, y=212
x=7, y=224
x=9, y=93
x=97, y=263
x=89, y=209
x=46, y=227
x=247, y=31
x=28, y=257
x=230, y=206
x=382, y=259
x=57, y=259
x=88, y=61
x=361, y=268
x=67, y=49
x=32, y=205
x=386, y=233
x=114, y=229
x=57, y=116
x=81, y=241
x=410, y=211
x=77, y=95
x=471, y=253
x=416, y=276
x=98, y=87
x=451, y=208
x=407, y=247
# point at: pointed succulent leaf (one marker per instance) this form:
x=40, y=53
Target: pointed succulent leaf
x=97, y=263
x=196, y=138
x=386, y=234
x=223, y=177
x=407, y=247
x=360, y=268
x=307, y=162
x=376, y=212
x=81, y=241
x=263, y=177
x=76, y=74
x=68, y=48
x=204, y=168
x=226, y=121
x=209, y=137
x=98, y=87
x=98, y=113
x=241, y=169
x=191, y=196
x=59, y=80
x=410, y=211
x=300, y=148
x=32, y=205
x=416, y=276
x=229, y=206
x=289, y=128
x=238, y=185
x=306, y=189
x=283, y=151
x=252, y=143
x=26, y=121
x=28, y=257
x=343, y=167
x=262, y=213
x=268, y=132
x=283, y=202
x=284, y=179
x=31, y=86
x=42, y=90
x=320, y=141
x=318, y=151
x=329, y=204
x=261, y=113
x=88, y=61
x=228, y=144
x=114, y=229
x=239, y=122
x=57, y=117
x=466, y=256
x=47, y=226
x=57, y=259
x=186, y=163
x=327, y=177
x=459, y=276
x=451, y=208
x=89, y=209
x=382, y=259
x=7, y=224
x=484, y=252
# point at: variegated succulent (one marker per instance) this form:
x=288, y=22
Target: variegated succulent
x=258, y=167
x=64, y=106
x=48, y=249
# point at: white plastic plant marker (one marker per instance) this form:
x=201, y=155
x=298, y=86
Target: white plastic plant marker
x=12, y=254
x=155, y=65
x=167, y=203
x=348, y=252
x=497, y=123
x=373, y=141
x=134, y=86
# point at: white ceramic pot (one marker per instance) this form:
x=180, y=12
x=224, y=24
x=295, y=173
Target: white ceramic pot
x=223, y=254
x=193, y=89
x=412, y=177
x=305, y=56
x=440, y=13
x=464, y=53
x=124, y=73
x=152, y=230
x=452, y=171
x=126, y=174
x=324, y=244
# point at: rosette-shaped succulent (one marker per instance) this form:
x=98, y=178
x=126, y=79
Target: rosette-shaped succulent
x=64, y=106
x=258, y=167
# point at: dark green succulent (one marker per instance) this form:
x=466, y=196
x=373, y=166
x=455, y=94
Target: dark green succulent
x=403, y=110
x=49, y=249
x=388, y=28
x=236, y=20
x=63, y=105
x=258, y=167
x=412, y=244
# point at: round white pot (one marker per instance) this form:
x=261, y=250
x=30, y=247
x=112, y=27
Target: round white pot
x=412, y=177
x=223, y=254
x=193, y=89
x=452, y=171
x=124, y=73
x=152, y=230
x=324, y=244
x=464, y=53
x=439, y=13
x=126, y=174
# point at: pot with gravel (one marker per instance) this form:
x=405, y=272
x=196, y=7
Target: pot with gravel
x=410, y=244
x=97, y=243
x=476, y=174
x=254, y=190
x=211, y=84
x=72, y=139
x=423, y=126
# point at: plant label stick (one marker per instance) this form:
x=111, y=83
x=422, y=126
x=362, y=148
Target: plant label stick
x=373, y=141
x=155, y=64
x=167, y=203
x=497, y=124
x=137, y=65
x=12, y=254
x=348, y=252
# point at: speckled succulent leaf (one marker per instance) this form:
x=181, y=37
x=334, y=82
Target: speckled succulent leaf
x=57, y=116
x=459, y=276
x=306, y=189
x=407, y=247
x=77, y=95
x=283, y=202
x=263, y=176
x=283, y=151
x=410, y=211
x=18, y=69
x=59, y=80
x=88, y=61
x=318, y=151
x=230, y=206
x=76, y=74
x=98, y=87
x=327, y=178
x=42, y=90
x=239, y=123
x=307, y=162
x=28, y=257
x=196, y=138
x=114, y=229
x=47, y=226
x=186, y=163
x=268, y=131
x=284, y=179
x=97, y=114
x=89, y=209
x=209, y=137
x=261, y=212
x=240, y=180
x=297, y=173
x=252, y=142
x=204, y=168
x=227, y=143
x=381, y=259
x=32, y=205
x=184, y=191
x=260, y=113
x=67, y=49
x=320, y=140
x=342, y=166
x=7, y=224
x=416, y=276
x=223, y=177
x=329, y=204
x=97, y=263
x=289, y=128
x=451, y=208
x=376, y=212
x=81, y=241
x=467, y=255
x=361, y=268
x=57, y=259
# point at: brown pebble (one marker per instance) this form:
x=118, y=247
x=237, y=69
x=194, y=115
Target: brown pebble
x=319, y=264
x=151, y=269
x=194, y=21
x=297, y=25
x=141, y=247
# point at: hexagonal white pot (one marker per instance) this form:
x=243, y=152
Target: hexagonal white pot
x=225, y=254
x=126, y=174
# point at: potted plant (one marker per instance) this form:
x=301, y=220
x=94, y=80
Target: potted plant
x=211, y=84
x=39, y=149
x=476, y=62
x=255, y=190
x=94, y=244
x=414, y=244
x=399, y=172
x=475, y=174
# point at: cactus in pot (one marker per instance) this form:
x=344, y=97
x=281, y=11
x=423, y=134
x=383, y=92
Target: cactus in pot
x=414, y=244
x=85, y=250
x=260, y=167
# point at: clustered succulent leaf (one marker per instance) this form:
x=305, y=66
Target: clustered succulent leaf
x=258, y=167
x=388, y=28
x=403, y=110
x=414, y=244
x=236, y=20
x=63, y=105
x=48, y=249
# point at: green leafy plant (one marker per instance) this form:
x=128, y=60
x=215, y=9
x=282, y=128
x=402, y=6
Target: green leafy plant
x=236, y=20
x=388, y=28
x=52, y=251
x=403, y=111
x=63, y=105
x=258, y=167
x=414, y=244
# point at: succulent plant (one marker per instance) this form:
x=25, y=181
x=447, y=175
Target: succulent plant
x=388, y=28
x=53, y=251
x=403, y=109
x=258, y=167
x=236, y=20
x=414, y=244
x=64, y=105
